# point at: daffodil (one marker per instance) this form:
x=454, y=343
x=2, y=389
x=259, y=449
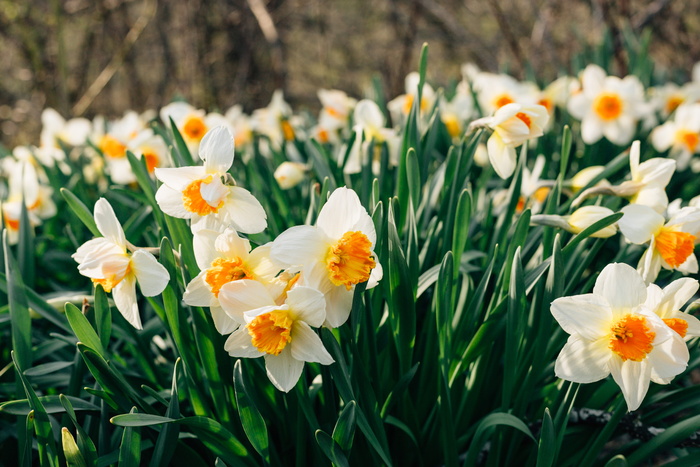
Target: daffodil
x=647, y=186
x=613, y=331
x=290, y=174
x=400, y=106
x=336, y=109
x=608, y=106
x=202, y=191
x=334, y=255
x=222, y=258
x=512, y=125
x=280, y=332
x=667, y=305
x=107, y=261
x=369, y=126
x=681, y=135
x=192, y=123
x=671, y=243
x=579, y=220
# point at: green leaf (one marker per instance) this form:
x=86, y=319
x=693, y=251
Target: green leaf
x=85, y=444
x=670, y=437
x=485, y=427
x=139, y=419
x=48, y=455
x=70, y=449
x=253, y=423
x=344, y=430
x=547, y=449
x=130, y=448
x=83, y=329
x=52, y=404
x=163, y=451
x=20, y=320
x=103, y=315
x=331, y=449
x=181, y=156
x=80, y=210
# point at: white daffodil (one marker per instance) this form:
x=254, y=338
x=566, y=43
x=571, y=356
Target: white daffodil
x=608, y=106
x=279, y=332
x=512, y=125
x=202, y=191
x=192, y=123
x=671, y=244
x=579, y=220
x=400, y=106
x=681, y=135
x=222, y=258
x=290, y=174
x=107, y=262
x=334, y=255
x=336, y=110
x=613, y=331
x=647, y=186
x=497, y=90
x=456, y=113
x=369, y=126
x=667, y=305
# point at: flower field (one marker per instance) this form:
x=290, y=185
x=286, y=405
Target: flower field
x=494, y=272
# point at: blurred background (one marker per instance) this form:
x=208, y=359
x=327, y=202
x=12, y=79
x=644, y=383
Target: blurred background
x=103, y=57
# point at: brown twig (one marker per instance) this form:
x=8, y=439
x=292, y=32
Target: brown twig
x=115, y=63
x=508, y=34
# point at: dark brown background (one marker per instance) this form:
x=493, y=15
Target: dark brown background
x=86, y=57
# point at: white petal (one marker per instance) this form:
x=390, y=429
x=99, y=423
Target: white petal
x=171, y=202
x=376, y=275
x=621, y=286
x=690, y=265
x=668, y=359
x=588, y=315
x=240, y=296
x=245, y=211
x=639, y=223
x=657, y=171
x=107, y=223
x=214, y=192
x=222, y=321
x=299, y=245
x=653, y=197
x=338, y=305
x=124, y=295
x=203, y=243
x=283, y=369
x=693, y=324
x=649, y=264
x=178, y=178
x=583, y=361
x=677, y=293
x=216, y=150
x=633, y=379
x=232, y=245
x=591, y=129
x=151, y=275
x=198, y=292
x=240, y=344
x=502, y=157
x=342, y=213
x=309, y=305
x=307, y=346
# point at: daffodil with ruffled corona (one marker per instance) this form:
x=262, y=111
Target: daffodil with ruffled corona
x=671, y=243
x=222, y=258
x=338, y=252
x=681, y=135
x=280, y=332
x=107, y=261
x=199, y=192
x=613, y=331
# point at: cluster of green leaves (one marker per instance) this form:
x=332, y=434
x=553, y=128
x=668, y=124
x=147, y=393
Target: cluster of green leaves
x=449, y=361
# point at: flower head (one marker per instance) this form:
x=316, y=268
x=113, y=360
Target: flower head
x=202, y=191
x=279, y=332
x=334, y=255
x=613, y=331
x=107, y=262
